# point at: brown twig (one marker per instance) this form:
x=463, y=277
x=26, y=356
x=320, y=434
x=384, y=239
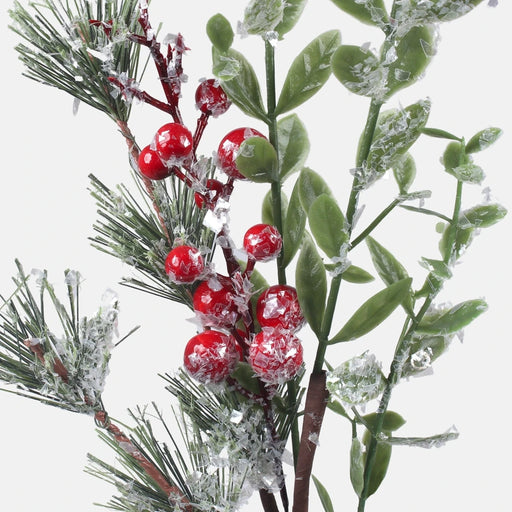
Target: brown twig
x=58, y=366
x=316, y=402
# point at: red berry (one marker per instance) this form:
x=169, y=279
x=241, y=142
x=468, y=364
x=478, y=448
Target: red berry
x=151, y=166
x=228, y=150
x=278, y=306
x=184, y=264
x=211, y=356
x=275, y=355
x=263, y=242
x=214, y=303
x=211, y=98
x=214, y=189
x=173, y=143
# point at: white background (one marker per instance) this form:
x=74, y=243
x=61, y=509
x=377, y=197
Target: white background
x=46, y=216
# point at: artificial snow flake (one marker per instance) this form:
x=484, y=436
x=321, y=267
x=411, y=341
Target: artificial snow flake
x=356, y=381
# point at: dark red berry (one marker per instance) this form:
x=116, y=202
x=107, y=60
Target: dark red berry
x=228, y=150
x=211, y=356
x=214, y=189
x=214, y=303
x=211, y=98
x=151, y=166
x=184, y=264
x=278, y=306
x=173, y=143
x=275, y=355
x=263, y=242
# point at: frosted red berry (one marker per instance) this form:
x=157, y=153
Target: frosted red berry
x=214, y=189
x=275, y=355
x=211, y=98
x=184, y=264
x=173, y=143
x=214, y=303
x=151, y=166
x=263, y=242
x=278, y=306
x=211, y=356
x=228, y=150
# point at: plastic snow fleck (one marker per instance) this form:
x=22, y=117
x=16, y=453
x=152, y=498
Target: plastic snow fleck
x=356, y=381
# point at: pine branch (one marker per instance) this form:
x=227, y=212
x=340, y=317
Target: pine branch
x=76, y=49
x=133, y=232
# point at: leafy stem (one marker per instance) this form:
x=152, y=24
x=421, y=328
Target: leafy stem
x=401, y=351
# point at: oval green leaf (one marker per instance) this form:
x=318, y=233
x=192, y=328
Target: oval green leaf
x=293, y=226
x=371, y=12
x=392, y=421
x=354, y=274
x=267, y=211
x=374, y=311
x=327, y=225
x=357, y=466
x=404, y=171
x=483, y=139
x=293, y=145
x=414, y=51
x=308, y=72
x=356, y=68
x=482, y=216
x=239, y=81
x=455, y=319
x=292, y=12
x=311, y=185
x=257, y=160
x=325, y=499
x=380, y=466
x=263, y=16
x=311, y=284
x=219, y=32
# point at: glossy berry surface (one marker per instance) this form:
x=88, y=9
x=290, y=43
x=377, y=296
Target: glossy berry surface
x=151, y=166
x=278, y=306
x=211, y=98
x=214, y=189
x=263, y=242
x=214, y=303
x=211, y=356
x=173, y=143
x=228, y=150
x=184, y=264
x=275, y=355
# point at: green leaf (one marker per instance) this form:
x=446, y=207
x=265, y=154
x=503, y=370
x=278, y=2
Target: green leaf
x=404, y=171
x=437, y=10
x=357, y=68
x=482, y=216
x=308, y=72
x=455, y=319
x=396, y=131
x=425, y=442
x=311, y=284
x=239, y=82
x=293, y=145
x=439, y=134
x=267, y=211
x=311, y=185
x=392, y=421
x=483, y=139
x=325, y=499
x=293, y=226
x=219, y=32
x=357, y=466
x=354, y=274
x=463, y=237
x=327, y=225
x=437, y=267
x=468, y=173
x=414, y=51
x=292, y=12
x=388, y=267
x=454, y=155
x=263, y=16
x=371, y=12
x=374, y=311
x=380, y=466
x=257, y=160
x=336, y=407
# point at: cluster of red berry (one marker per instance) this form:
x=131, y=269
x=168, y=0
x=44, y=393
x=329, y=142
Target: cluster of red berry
x=222, y=306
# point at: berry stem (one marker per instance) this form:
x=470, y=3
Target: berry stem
x=202, y=122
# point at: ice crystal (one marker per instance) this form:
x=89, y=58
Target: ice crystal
x=217, y=218
x=356, y=381
x=263, y=16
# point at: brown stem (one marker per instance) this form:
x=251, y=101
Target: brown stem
x=316, y=402
x=134, y=156
x=176, y=497
x=38, y=351
x=268, y=500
